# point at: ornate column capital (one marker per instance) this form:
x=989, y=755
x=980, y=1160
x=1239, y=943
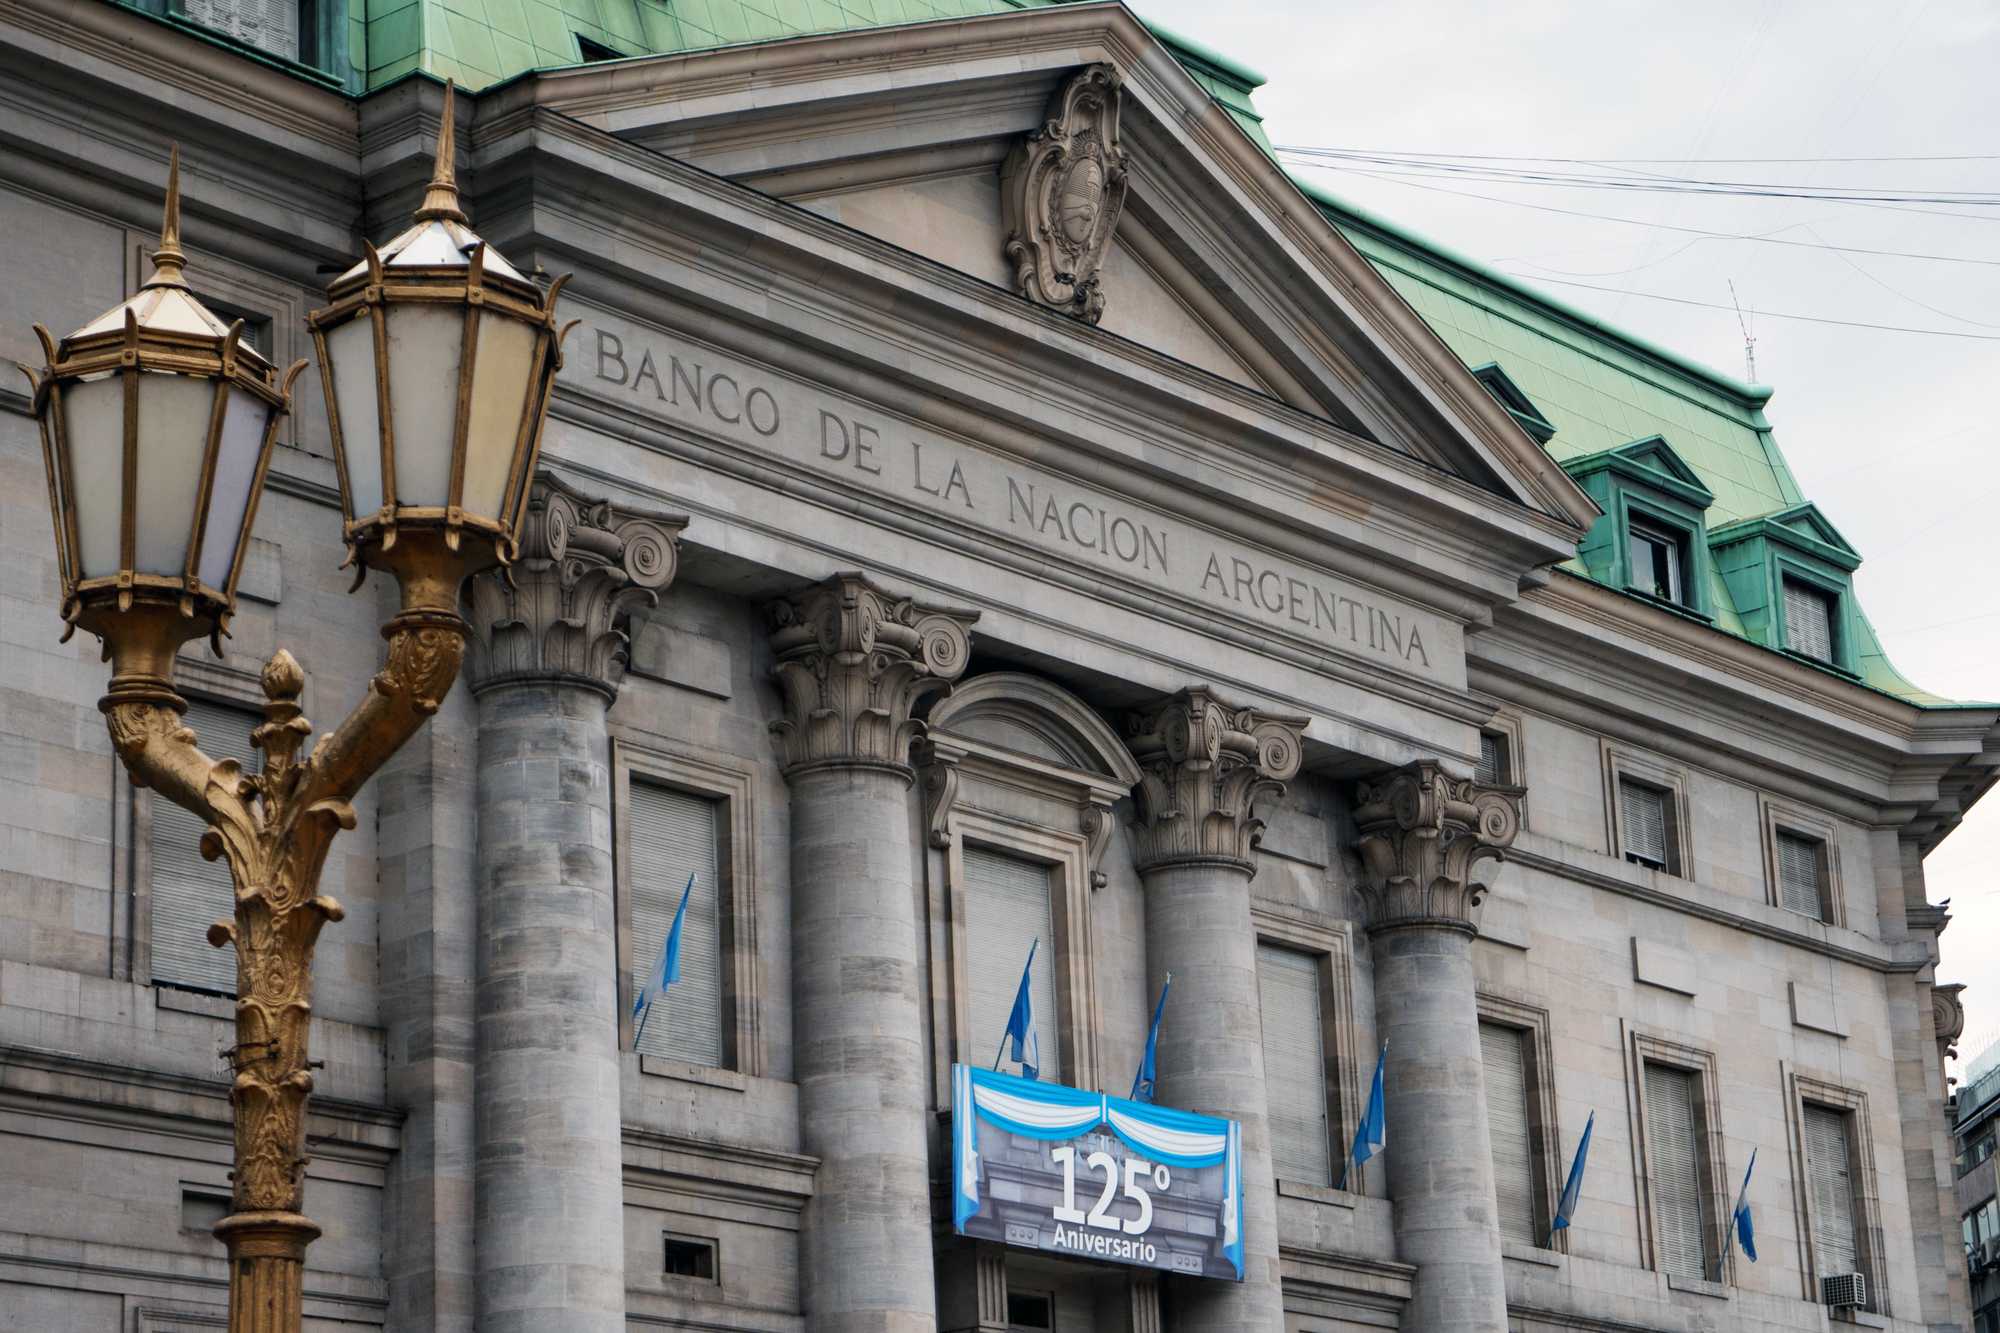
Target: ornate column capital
x=1422, y=832
x=1204, y=764
x=583, y=564
x=854, y=660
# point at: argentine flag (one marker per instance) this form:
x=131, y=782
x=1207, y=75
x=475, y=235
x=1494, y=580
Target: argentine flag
x=1021, y=1024
x=667, y=967
x=1746, y=1235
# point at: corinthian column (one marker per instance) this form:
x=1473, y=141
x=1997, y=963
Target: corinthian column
x=853, y=661
x=1422, y=833
x=1205, y=764
x=548, y=1196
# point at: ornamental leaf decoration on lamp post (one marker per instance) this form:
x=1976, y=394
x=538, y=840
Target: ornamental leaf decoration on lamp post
x=158, y=426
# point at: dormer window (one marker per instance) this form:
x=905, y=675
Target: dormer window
x=1651, y=540
x=1790, y=575
x=1659, y=559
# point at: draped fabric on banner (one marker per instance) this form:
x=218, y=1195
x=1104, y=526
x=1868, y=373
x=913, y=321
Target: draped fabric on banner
x=1048, y=1112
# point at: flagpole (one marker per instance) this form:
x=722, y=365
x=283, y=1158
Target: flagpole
x=999, y=1053
x=644, y=1014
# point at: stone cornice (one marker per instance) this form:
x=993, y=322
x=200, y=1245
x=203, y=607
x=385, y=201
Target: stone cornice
x=854, y=660
x=1422, y=833
x=583, y=562
x=103, y=42
x=1885, y=957
x=1203, y=766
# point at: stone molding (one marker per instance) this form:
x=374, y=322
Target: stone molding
x=1203, y=765
x=1422, y=832
x=854, y=660
x=1061, y=191
x=561, y=615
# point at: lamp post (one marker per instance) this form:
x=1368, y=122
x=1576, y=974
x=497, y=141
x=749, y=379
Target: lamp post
x=158, y=426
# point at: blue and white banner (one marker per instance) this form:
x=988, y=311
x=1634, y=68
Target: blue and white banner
x=1172, y=1193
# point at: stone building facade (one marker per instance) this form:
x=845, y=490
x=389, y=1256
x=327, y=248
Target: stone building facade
x=984, y=500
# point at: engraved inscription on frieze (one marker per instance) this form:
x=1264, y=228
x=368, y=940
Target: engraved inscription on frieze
x=1061, y=190
x=900, y=462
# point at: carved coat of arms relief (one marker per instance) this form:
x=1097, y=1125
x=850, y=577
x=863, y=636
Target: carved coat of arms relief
x=1061, y=191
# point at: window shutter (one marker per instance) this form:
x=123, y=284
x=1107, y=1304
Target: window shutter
x=1676, y=1173
x=1294, y=1065
x=1008, y=905
x=1808, y=621
x=1798, y=874
x=1643, y=813
x=1507, y=1119
x=189, y=893
x=1489, y=769
x=1831, y=1193
x=670, y=836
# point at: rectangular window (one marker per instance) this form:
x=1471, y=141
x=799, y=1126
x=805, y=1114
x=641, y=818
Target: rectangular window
x=1288, y=993
x=1673, y=1155
x=1830, y=1192
x=686, y=1257
x=1506, y=1070
x=1642, y=816
x=268, y=25
x=1808, y=620
x=1799, y=874
x=188, y=893
x=1009, y=905
x=673, y=835
x=1493, y=766
x=1657, y=557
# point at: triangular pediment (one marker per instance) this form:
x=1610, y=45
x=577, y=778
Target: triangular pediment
x=1215, y=260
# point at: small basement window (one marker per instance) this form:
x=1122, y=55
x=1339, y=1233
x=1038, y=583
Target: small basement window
x=1030, y=1310
x=1808, y=620
x=689, y=1257
x=1659, y=562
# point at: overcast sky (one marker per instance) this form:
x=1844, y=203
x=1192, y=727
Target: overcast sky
x=1895, y=434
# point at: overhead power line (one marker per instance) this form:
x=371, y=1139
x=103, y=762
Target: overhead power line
x=1767, y=314
x=1647, y=182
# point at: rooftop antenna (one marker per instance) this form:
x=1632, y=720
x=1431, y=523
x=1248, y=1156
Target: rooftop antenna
x=1749, y=338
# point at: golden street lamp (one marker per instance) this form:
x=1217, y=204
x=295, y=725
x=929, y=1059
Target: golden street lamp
x=157, y=429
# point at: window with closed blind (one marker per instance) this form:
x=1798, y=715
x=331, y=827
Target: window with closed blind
x=1643, y=824
x=1009, y=905
x=1830, y=1191
x=1799, y=874
x=671, y=835
x=1809, y=620
x=187, y=893
x=1503, y=1052
x=1673, y=1158
x=1295, y=1086
x=1492, y=759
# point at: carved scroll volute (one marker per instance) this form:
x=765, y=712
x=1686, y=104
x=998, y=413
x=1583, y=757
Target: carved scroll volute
x=584, y=564
x=1204, y=766
x=1096, y=823
x=940, y=787
x=1947, y=1019
x=854, y=661
x=1061, y=191
x=1422, y=833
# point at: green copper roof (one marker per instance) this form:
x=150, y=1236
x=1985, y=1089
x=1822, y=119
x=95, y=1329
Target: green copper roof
x=1602, y=388
x=481, y=42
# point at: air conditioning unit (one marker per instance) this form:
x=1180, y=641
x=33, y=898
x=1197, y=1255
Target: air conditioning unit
x=1989, y=1252
x=1844, y=1290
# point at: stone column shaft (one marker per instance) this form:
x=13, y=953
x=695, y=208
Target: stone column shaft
x=549, y=1197
x=853, y=660
x=1422, y=833
x=1195, y=832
